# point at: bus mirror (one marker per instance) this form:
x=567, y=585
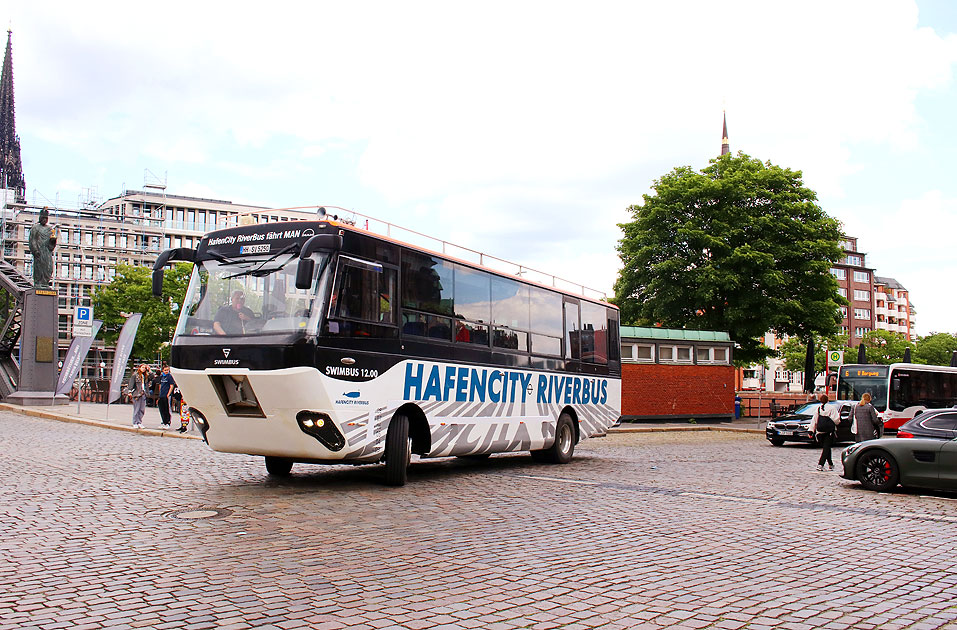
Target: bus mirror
x=157, y=283
x=320, y=242
x=168, y=256
x=303, y=274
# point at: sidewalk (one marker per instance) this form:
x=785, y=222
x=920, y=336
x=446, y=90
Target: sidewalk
x=117, y=417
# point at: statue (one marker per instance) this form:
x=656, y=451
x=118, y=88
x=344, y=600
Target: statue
x=42, y=242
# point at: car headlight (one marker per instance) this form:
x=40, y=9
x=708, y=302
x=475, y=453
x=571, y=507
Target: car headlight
x=850, y=450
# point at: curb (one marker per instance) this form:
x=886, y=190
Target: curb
x=36, y=413
x=696, y=428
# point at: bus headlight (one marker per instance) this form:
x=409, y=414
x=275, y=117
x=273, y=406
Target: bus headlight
x=320, y=426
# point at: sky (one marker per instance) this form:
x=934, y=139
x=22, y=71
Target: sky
x=521, y=129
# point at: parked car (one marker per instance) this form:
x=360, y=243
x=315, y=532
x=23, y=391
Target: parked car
x=794, y=427
x=882, y=464
x=935, y=424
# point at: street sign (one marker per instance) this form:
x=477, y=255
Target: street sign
x=82, y=331
x=83, y=316
x=835, y=357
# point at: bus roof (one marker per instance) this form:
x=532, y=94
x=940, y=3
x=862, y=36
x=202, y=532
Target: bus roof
x=217, y=238
x=898, y=366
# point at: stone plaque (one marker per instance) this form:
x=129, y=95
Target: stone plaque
x=44, y=349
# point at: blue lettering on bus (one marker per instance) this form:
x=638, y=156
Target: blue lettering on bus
x=463, y=384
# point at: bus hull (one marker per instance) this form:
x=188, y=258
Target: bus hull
x=469, y=410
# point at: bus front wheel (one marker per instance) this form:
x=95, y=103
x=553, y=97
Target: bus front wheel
x=278, y=466
x=398, y=451
x=562, y=450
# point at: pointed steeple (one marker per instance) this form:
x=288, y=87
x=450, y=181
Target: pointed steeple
x=11, y=168
x=725, y=146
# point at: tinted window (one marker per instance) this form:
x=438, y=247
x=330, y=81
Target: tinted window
x=364, y=291
x=546, y=312
x=509, y=303
x=422, y=325
x=543, y=344
x=467, y=332
x=613, y=342
x=594, y=333
x=946, y=421
x=510, y=339
x=572, y=331
x=426, y=283
x=472, y=291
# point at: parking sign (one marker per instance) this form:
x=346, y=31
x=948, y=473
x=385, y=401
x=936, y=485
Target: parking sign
x=83, y=315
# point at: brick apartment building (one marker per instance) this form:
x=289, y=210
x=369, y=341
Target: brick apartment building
x=892, y=308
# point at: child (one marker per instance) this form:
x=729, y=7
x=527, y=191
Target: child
x=184, y=416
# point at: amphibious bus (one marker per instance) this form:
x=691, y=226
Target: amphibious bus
x=317, y=341
x=899, y=390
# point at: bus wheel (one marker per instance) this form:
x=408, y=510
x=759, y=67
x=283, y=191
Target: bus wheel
x=563, y=449
x=278, y=466
x=398, y=451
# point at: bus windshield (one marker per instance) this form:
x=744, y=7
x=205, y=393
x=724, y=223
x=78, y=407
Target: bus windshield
x=250, y=296
x=853, y=387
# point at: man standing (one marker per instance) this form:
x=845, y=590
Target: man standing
x=165, y=394
x=42, y=244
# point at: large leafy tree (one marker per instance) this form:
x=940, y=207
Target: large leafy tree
x=131, y=292
x=740, y=246
x=935, y=349
x=885, y=347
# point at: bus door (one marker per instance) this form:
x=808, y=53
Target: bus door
x=572, y=344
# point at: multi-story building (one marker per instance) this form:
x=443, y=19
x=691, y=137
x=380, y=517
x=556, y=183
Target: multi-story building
x=892, y=308
x=856, y=283
x=132, y=228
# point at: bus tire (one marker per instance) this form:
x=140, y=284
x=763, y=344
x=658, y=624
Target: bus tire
x=398, y=451
x=278, y=466
x=562, y=450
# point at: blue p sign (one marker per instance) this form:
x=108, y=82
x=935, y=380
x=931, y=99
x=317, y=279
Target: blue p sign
x=84, y=314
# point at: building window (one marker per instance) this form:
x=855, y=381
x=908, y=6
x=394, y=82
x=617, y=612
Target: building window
x=861, y=276
x=860, y=331
x=842, y=292
x=862, y=313
x=857, y=261
x=864, y=296
x=844, y=312
x=840, y=274
x=711, y=355
x=674, y=354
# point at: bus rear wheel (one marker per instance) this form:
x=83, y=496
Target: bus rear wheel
x=563, y=449
x=278, y=466
x=398, y=451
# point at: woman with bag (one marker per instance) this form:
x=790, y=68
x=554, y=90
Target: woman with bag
x=137, y=387
x=824, y=423
x=866, y=424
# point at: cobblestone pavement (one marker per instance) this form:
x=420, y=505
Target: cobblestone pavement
x=108, y=529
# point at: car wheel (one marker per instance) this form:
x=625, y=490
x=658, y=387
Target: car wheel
x=563, y=449
x=398, y=451
x=878, y=470
x=776, y=441
x=278, y=466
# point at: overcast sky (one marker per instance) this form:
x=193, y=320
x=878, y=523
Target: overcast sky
x=522, y=129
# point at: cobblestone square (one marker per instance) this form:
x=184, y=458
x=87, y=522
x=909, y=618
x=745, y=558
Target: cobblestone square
x=110, y=529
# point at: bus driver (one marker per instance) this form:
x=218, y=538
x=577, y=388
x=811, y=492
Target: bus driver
x=230, y=320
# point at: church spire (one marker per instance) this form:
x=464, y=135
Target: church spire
x=725, y=146
x=11, y=168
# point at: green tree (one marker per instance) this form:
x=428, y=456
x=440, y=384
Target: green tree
x=740, y=247
x=131, y=292
x=794, y=350
x=885, y=347
x=935, y=349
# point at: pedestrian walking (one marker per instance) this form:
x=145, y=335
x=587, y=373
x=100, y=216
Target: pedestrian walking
x=824, y=423
x=866, y=424
x=166, y=385
x=137, y=388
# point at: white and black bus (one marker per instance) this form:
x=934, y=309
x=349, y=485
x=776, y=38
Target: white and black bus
x=320, y=342
x=899, y=391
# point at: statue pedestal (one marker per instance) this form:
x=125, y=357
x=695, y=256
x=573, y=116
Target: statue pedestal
x=38, y=351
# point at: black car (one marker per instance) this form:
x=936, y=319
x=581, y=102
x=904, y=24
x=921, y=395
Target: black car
x=794, y=426
x=936, y=424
